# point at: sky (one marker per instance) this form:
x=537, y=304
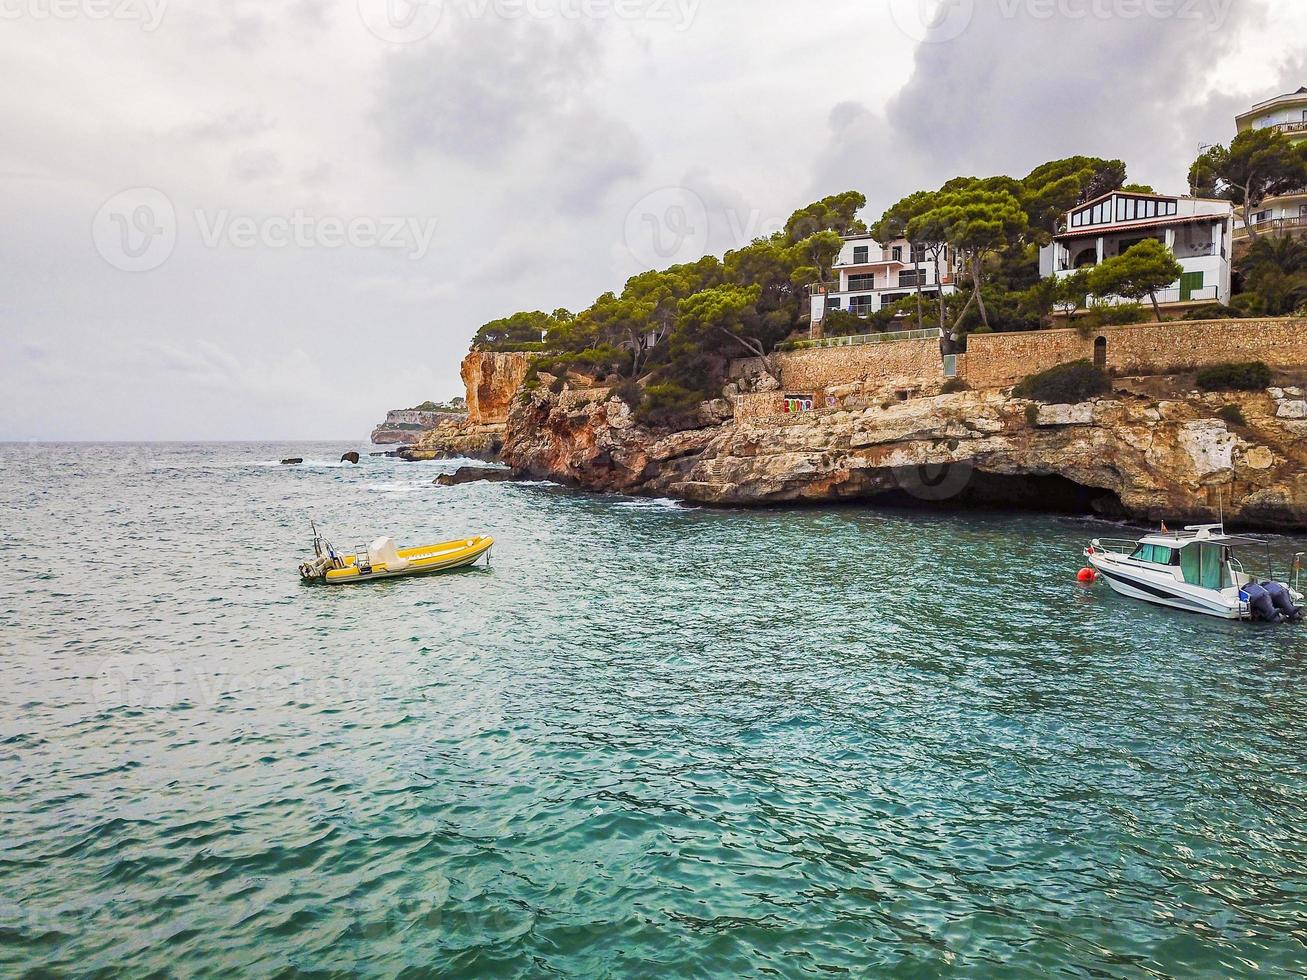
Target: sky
x=257, y=219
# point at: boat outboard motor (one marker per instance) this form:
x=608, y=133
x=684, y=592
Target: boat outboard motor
x=1260, y=603
x=1283, y=601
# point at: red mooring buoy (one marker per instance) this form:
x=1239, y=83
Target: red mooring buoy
x=1087, y=576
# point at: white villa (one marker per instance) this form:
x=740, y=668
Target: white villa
x=1199, y=231
x=872, y=276
x=1288, y=114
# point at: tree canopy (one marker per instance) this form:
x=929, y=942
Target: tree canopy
x=1258, y=163
x=518, y=329
x=1140, y=271
x=1054, y=188
x=1275, y=270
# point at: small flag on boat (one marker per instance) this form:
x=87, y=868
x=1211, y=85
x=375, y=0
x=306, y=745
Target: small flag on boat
x=1164, y=530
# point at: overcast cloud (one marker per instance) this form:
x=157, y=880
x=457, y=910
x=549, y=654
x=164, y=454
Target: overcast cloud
x=246, y=219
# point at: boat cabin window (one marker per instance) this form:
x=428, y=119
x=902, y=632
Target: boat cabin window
x=1155, y=553
x=1204, y=565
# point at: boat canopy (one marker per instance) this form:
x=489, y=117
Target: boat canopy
x=1202, y=534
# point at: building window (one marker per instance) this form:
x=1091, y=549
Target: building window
x=919, y=254
x=896, y=253
x=1261, y=216
x=832, y=302
x=861, y=305
x=912, y=277
x=861, y=254
x=866, y=280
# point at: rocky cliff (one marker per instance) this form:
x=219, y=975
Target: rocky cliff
x=407, y=426
x=492, y=380
x=1142, y=452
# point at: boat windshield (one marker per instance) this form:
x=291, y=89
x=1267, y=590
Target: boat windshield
x=1206, y=566
x=1155, y=554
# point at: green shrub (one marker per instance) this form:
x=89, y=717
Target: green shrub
x=1213, y=311
x=953, y=385
x=1248, y=304
x=1252, y=376
x=667, y=403
x=1066, y=384
x=629, y=391
x=509, y=347
x=1123, y=314
x=843, y=323
x=1232, y=414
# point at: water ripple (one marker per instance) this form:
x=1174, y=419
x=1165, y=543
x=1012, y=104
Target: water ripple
x=649, y=739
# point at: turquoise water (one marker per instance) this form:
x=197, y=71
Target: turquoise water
x=647, y=740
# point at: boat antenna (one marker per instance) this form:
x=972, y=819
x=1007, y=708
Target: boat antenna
x=1220, y=508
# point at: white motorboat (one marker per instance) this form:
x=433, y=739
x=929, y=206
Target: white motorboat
x=1196, y=570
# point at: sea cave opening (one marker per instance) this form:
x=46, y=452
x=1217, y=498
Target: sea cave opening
x=945, y=488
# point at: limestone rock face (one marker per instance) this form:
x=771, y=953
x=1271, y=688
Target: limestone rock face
x=1127, y=457
x=492, y=381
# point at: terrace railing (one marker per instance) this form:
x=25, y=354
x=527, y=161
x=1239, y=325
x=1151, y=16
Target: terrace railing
x=858, y=340
x=1291, y=127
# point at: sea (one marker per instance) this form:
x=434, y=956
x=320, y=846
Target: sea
x=648, y=739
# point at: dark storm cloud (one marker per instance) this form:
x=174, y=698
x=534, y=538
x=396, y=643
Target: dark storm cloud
x=1032, y=80
x=477, y=89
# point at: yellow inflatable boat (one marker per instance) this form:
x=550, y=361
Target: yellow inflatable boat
x=384, y=559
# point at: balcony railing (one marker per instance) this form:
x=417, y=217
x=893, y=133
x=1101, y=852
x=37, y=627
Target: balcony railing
x=1204, y=294
x=867, y=338
x=1272, y=226
x=1290, y=127
x=884, y=258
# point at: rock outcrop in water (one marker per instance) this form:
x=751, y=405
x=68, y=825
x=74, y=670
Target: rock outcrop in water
x=1135, y=453
x=475, y=474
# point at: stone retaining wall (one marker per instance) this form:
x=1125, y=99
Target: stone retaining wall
x=997, y=360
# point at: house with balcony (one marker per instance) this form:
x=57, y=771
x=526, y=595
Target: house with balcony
x=1285, y=215
x=1198, y=230
x=871, y=276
